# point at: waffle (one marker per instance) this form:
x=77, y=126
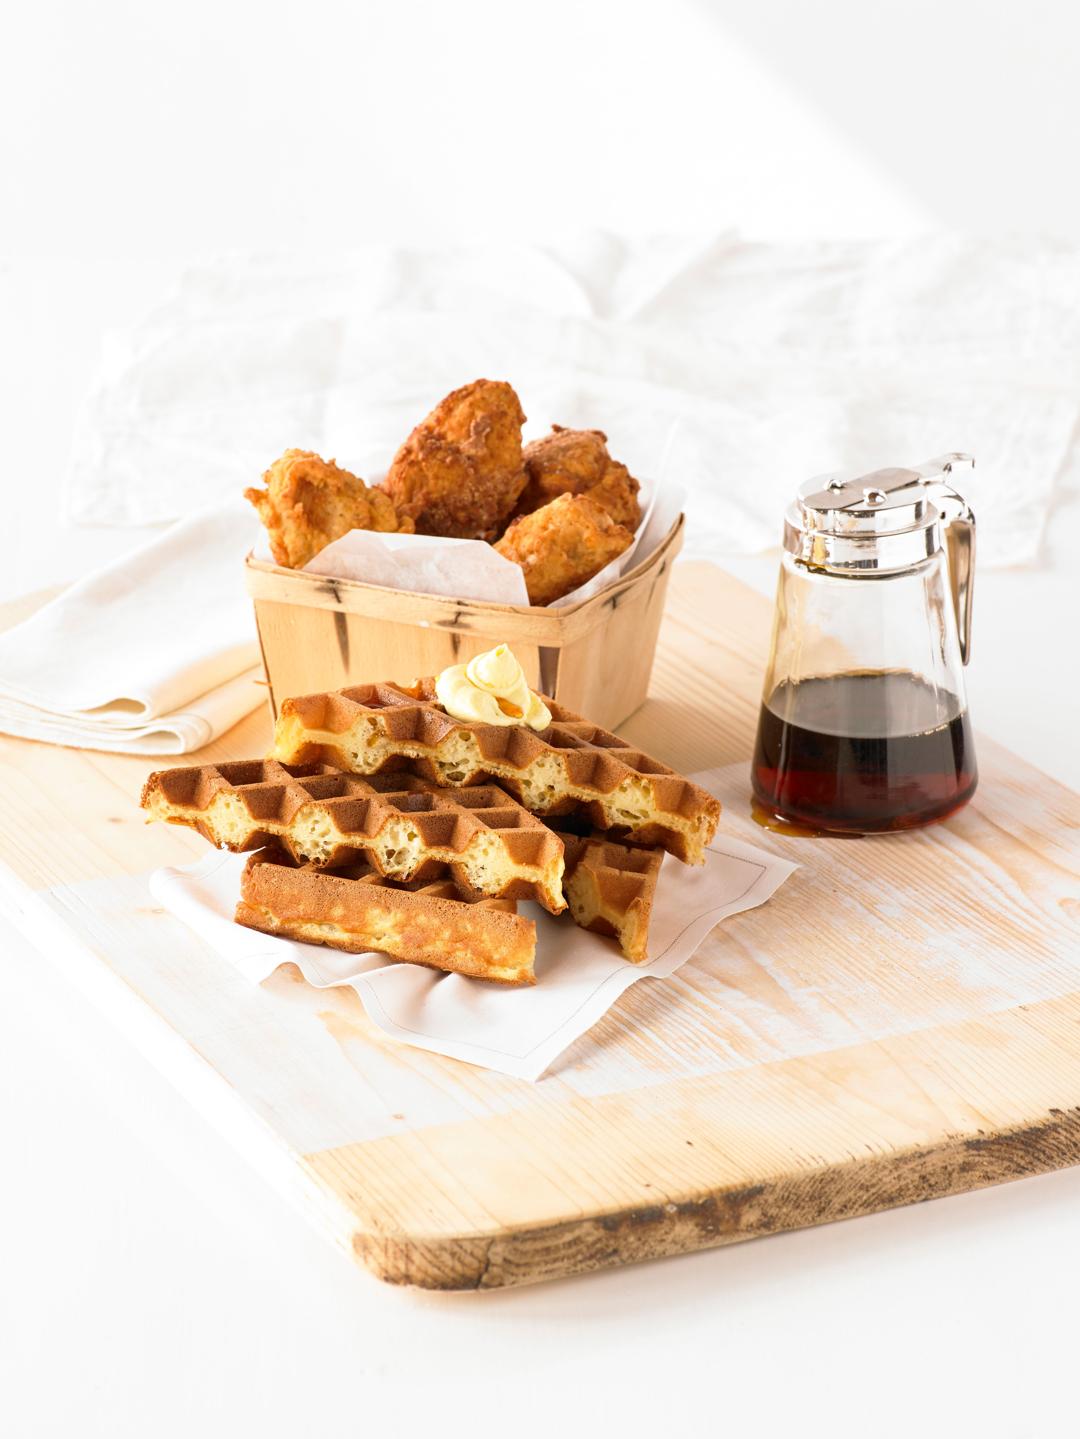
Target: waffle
x=401, y=824
x=417, y=922
x=610, y=888
x=572, y=767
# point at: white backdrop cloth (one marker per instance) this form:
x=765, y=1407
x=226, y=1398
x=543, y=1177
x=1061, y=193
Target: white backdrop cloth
x=733, y=368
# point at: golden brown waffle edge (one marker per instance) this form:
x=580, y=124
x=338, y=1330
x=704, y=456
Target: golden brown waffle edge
x=572, y=767
x=403, y=825
x=611, y=889
x=358, y=910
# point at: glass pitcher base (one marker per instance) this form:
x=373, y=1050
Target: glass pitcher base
x=863, y=752
x=806, y=824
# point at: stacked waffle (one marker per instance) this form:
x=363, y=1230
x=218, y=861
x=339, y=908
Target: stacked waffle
x=383, y=823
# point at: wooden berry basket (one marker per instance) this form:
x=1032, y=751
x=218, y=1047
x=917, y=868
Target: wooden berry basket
x=594, y=656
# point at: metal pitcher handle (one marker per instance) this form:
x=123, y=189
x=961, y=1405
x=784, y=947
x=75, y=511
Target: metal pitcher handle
x=959, y=535
x=960, y=548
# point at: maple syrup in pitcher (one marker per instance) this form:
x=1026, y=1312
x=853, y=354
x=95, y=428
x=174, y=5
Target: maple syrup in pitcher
x=864, y=726
x=822, y=759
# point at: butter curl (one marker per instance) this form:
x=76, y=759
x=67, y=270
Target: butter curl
x=491, y=689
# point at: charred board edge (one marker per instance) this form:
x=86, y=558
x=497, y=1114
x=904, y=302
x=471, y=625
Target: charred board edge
x=798, y=1200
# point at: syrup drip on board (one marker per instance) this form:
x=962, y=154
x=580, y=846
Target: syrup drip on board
x=776, y=824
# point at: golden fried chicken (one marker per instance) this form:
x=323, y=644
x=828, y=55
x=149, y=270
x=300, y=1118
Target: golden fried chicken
x=309, y=501
x=460, y=473
x=563, y=544
x=577, y=462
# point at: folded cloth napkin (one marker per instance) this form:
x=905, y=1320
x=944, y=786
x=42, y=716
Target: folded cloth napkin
x=515, y=1031
x=733, y=368
x=155, y=654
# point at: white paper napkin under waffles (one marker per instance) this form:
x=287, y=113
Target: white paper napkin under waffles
x=518, y=1031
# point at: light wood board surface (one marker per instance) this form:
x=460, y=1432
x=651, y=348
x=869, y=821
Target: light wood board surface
x=901, y=1021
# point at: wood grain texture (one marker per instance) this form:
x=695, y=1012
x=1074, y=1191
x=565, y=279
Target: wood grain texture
x=711, y=1162
x=901, y=1021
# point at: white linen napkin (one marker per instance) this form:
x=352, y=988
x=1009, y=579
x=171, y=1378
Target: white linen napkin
x=515, y=1031
x=736, y=369
x=154, y=654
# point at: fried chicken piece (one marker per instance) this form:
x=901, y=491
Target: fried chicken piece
x=460, y=472
x=309, y=501
x=577, y=462
x=563, y=544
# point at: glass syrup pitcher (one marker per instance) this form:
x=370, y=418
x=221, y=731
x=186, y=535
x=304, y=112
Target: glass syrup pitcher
x=864, y=724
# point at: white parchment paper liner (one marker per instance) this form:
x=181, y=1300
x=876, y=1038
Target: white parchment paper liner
x=515, y=1031
x=472, y=569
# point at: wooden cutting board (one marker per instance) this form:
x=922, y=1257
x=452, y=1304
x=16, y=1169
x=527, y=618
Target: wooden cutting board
x=901, y=1021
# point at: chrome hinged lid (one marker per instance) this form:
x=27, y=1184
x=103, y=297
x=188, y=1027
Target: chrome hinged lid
x=885, y=523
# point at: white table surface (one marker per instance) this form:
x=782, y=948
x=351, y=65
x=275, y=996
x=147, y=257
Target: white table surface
x=151, y=1284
